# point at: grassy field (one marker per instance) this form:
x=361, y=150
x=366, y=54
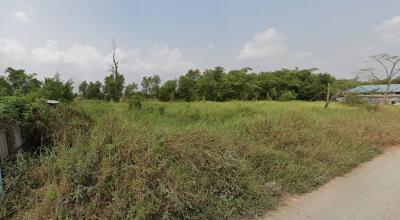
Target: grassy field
x=201, y=160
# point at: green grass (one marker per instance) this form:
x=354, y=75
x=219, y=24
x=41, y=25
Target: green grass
x=201, y=160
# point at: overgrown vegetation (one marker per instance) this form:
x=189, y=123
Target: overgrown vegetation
x=13, y=111
x=141, y=159
x=18, y=83
x=200, y=160
x=219, y=85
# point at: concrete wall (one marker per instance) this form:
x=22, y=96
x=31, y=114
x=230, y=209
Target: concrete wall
x=10, y=141
x=3, y=144
x=376, y=99
x=17, y=136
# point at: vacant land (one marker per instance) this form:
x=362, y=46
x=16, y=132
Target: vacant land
x=200, y=160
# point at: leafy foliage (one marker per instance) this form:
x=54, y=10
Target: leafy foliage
x=167, y=92
x=5, y=87
x=21, y=82
x=55, y=89
x=287, y=96
x=113, y=87
x=14, y=111
x=135, y=102
x=130, y=89
x=93, y=91
x=151, y=86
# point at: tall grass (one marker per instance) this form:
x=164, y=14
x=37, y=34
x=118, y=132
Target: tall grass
x=200, y=160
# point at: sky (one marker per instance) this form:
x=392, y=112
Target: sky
x=167, y=38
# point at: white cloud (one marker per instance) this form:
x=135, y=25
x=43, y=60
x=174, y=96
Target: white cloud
x=267, y=44
x=159, y=59
x=11, y=49
x=390, y=29
x=76, y=54
x=22, y=16
x=82, y=62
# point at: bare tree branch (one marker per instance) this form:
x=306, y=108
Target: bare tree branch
x=114, y=66
x=389, y=64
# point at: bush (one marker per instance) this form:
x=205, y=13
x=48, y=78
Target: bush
x=56, y=89
x=357, y=101
x=161, y=110
x=135, y=102
x=13, y=110
x=288, y=96
x=354, y=100
x=46, y=126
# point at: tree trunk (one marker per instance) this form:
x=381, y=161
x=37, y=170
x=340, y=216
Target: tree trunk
x=387, y=93
x=328, y=100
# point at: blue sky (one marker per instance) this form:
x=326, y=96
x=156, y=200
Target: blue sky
x=168, y=37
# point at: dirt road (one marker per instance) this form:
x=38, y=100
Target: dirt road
x=371, y=191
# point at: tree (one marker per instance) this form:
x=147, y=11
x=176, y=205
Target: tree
x=389, y=66
x=21, y=82
x=167, y=91
x=240, y=84
x=114, y=83
x=55, y=89
x=93, y=90
x=82, y=88
x=187, y=87
x=130, y=89
x=150, y=86
x=5, y=87
x=212, y=85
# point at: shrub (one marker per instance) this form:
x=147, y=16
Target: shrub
x=354, y=100
x=135, y=102
x=56, y=89
x=357, y=101
x=46, y=126
x=13, y=110
x=161, y=110
x=288, y=96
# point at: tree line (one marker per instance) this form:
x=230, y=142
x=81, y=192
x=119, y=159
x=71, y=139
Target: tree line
x=214, y=84
x=219, y=85
x=17, y=82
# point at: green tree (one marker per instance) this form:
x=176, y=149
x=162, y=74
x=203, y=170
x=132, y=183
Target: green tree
x=240, y=85
x=187, y=87
x=55, y=89
x=130, y=89
x=114, y=83
x=21, y=82
x=150, y=86
x=167, y=91
x=93, y=90
x=113, y=87
x=212, y=85
x=82, y=88
x=5, y=87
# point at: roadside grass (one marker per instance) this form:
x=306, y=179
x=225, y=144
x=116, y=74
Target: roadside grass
x=200, y=160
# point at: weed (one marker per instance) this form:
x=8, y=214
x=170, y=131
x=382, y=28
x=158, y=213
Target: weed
x=202, y=160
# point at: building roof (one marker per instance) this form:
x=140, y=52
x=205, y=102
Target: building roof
x=375, y=88
x=52, y=102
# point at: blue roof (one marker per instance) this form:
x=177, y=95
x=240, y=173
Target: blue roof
x=375, y=88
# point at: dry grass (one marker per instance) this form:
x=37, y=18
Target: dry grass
x=199, y=160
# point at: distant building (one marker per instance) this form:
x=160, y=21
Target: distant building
x=375, y=94
x=52, y=102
